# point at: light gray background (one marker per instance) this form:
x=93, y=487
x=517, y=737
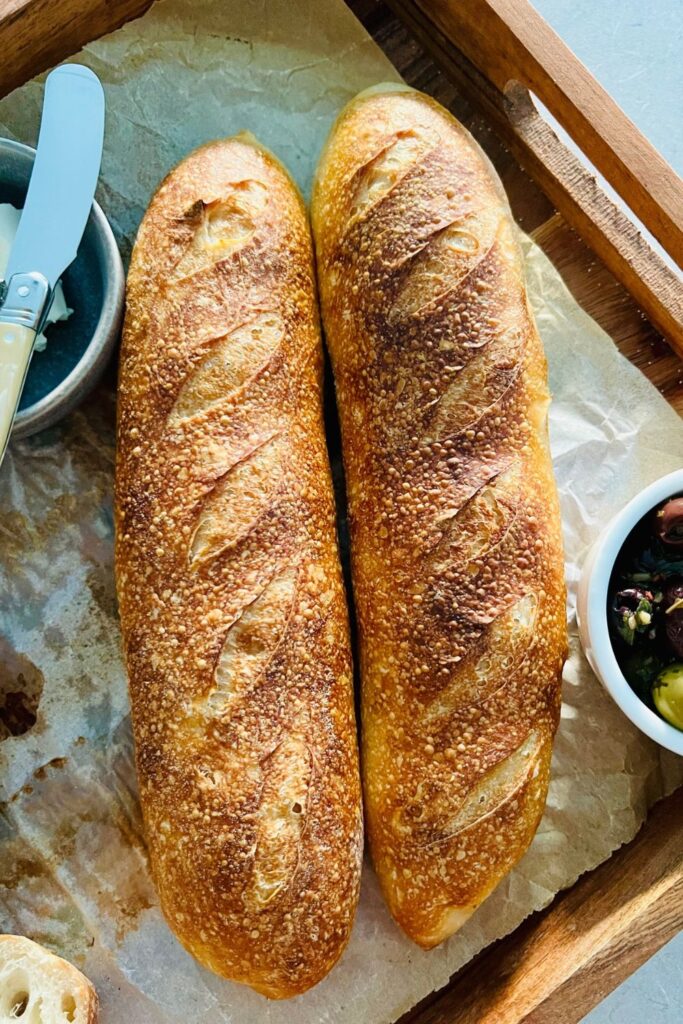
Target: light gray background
x=653, y=995
x=635, y=49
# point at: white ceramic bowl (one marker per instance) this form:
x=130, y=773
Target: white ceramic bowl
x=591, y=611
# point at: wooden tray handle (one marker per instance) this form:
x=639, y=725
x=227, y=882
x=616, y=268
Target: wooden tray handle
x=37, y=34
x=508, y=40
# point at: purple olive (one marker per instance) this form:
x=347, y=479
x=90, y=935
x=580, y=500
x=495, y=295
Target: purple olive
x=673, y=614
x=669, y=523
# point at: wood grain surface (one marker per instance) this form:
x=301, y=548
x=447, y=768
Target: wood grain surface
x=37, y=34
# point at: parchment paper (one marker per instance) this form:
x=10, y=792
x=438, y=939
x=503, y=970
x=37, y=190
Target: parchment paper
x=73, y=872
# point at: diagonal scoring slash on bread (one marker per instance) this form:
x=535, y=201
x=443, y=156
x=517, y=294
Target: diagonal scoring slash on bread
x=252, y=640
x=230, y=363
x=238, y=498
x=221, y=227
x=508, y=641
x=281, y=819
x=232, y=604
x=435, y=818
x=379, y=176
x=456, y=551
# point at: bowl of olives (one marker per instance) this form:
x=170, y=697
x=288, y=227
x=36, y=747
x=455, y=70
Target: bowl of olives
x=630, y=610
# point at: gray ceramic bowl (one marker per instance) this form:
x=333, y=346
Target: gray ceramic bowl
x=78, y=349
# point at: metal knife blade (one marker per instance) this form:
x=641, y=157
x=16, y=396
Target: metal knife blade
x=65, y=172
x=58, y=203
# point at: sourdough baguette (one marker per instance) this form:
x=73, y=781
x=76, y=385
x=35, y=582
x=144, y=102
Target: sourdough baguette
x=41, y=988
x=232, y=604
x=455, y=532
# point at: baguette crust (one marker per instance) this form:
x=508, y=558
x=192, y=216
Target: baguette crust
x=232, y=603
x=41, y=988
x=455, y=529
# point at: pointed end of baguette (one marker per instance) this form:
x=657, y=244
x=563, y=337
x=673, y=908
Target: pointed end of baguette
x=451, y=920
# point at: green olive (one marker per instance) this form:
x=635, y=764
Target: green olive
x=667, y=693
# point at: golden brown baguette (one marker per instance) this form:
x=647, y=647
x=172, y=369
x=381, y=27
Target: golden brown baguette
x=41, y=988
x=455, y=531
x=232, y=603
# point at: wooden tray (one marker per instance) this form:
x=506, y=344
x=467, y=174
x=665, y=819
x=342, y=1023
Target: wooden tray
x=561, y=962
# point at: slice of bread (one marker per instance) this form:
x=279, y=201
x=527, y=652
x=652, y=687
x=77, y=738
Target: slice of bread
x=37, y=987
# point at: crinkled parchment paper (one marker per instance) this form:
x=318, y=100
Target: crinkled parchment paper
x=73, y=872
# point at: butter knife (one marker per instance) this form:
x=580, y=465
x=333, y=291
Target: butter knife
x=58, y=203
